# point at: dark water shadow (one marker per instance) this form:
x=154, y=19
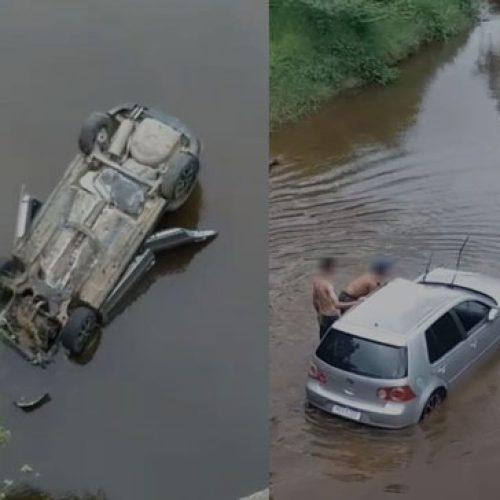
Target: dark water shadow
x=26, y=492
x=488, y=62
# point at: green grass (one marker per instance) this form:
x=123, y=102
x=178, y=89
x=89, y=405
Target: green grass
x=320, y=47
x=4, y=436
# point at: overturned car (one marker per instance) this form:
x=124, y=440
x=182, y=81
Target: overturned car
x=76, y=255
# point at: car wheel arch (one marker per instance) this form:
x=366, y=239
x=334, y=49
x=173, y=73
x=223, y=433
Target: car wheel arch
x=433, y=389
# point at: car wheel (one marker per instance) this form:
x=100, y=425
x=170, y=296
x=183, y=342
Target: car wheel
x=179, y=180
x=97, y=128
x=4, y=265
x=9, y=267
x=435, y=400
x=79, y=331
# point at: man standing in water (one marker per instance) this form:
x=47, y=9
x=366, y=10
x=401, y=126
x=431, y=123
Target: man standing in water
x=365, y=284
x=326, y=303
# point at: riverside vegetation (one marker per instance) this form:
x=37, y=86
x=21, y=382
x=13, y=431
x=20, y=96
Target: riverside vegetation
x=320, y=47
x=4, y=436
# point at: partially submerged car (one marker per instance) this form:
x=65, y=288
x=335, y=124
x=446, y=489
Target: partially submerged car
x=77, y=254
x=393, y=358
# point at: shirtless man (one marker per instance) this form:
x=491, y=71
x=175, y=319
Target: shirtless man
x=365, y=284
x=325, y=301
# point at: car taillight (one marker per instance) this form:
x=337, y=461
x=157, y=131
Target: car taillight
x=316, y=373
x=396, y=394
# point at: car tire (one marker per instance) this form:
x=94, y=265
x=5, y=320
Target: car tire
x=79, y=331
x=126, y=107
x=179, y=180
x=97, y=127
x=435, y=400
x=4, y=265
x=9, y=267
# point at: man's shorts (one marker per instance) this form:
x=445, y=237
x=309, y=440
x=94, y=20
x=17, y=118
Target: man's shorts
x=345, y=297
x=325, y=322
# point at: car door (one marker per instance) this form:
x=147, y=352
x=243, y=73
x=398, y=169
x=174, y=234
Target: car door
x=481, y=333
x=446, y=347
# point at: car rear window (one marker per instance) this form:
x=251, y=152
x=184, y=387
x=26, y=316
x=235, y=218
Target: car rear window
x=362, y=356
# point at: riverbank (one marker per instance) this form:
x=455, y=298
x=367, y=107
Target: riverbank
x=321, y=47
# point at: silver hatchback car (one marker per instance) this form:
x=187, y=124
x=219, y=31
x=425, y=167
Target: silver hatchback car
x=392, y=359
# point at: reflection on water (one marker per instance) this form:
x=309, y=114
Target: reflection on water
x=386, y=449
x=404, y=171
x=488, y=61
x=362, y=117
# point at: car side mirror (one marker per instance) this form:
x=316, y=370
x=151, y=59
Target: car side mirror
x=492, y=314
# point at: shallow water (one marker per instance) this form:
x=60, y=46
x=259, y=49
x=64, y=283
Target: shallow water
x=402, y=170
x=157, y=412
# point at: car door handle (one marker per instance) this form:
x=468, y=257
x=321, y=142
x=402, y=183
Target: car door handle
x=473, y=345
x=442, y=370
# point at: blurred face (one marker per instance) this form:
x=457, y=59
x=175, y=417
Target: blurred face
x=382, y=270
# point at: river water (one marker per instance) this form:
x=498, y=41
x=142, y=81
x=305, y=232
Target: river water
x=402, y=171
x=171, y=405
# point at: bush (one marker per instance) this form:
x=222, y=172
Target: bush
x=319, y=47
x=4, y=436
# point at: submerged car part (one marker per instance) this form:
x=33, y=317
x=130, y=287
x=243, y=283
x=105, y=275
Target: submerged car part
x=33, y=404
x=28, y=208
x=167, y=239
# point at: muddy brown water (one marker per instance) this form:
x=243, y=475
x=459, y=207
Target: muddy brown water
x=400, y=171
x=171, y=405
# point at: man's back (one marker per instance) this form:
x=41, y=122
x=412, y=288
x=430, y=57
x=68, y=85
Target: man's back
x=363, y=285
x=324, y=296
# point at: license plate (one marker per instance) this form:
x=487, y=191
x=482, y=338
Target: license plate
x=346, y=412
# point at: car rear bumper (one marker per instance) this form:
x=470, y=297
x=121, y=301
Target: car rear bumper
x=389, y=416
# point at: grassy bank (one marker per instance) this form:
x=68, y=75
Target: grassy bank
x=4, y=436
x=320, y=47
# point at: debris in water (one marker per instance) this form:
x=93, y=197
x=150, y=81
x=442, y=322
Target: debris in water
x=27, y=469
x=4, y=436
x=33, y=404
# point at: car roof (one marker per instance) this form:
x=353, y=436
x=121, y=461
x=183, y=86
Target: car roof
x=392, y=313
